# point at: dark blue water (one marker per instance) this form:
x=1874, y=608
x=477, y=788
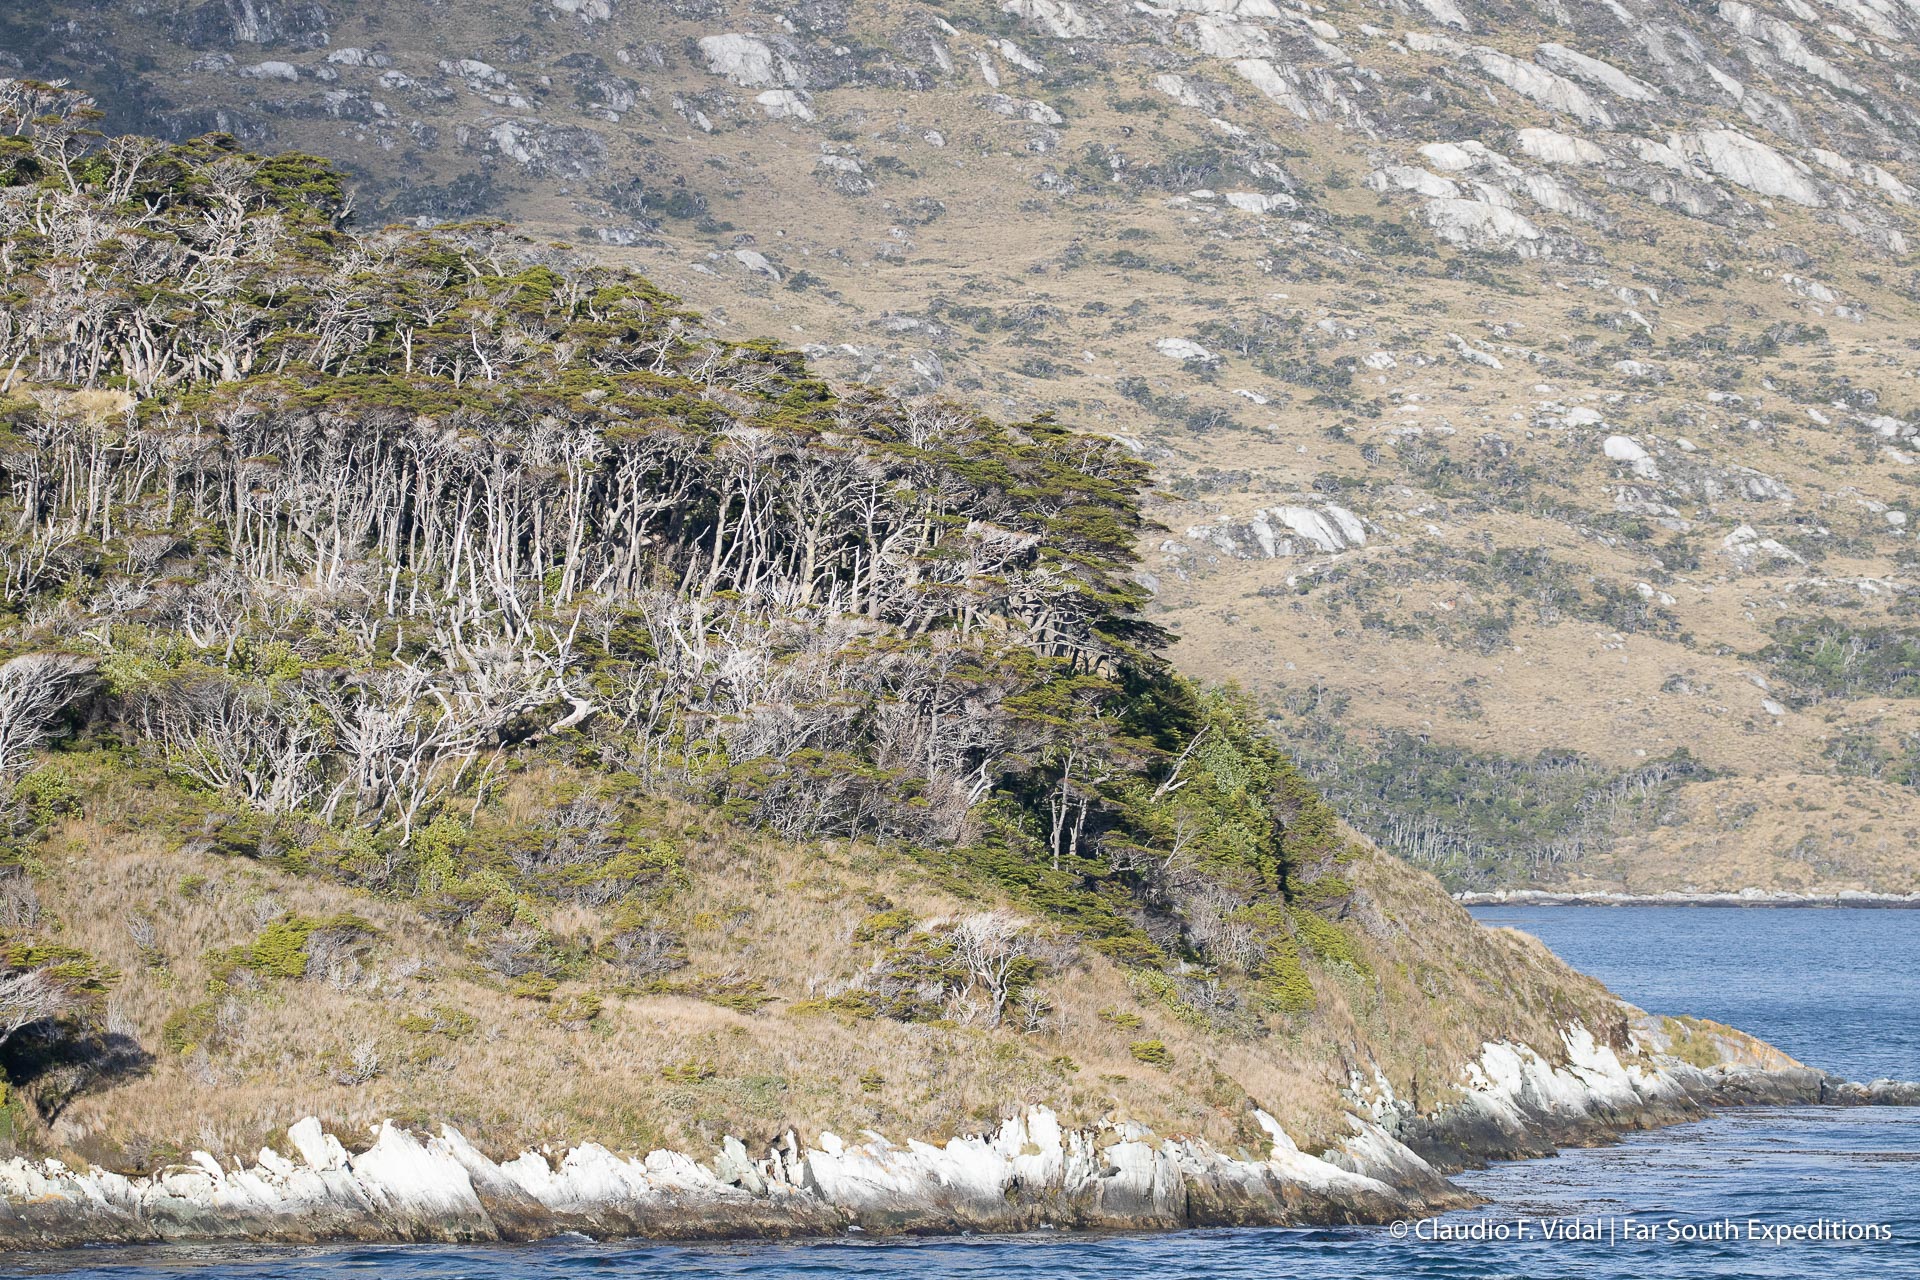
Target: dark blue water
x=1836, y=988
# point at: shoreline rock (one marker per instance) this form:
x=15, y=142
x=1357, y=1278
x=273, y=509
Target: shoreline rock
x=1030, y=1173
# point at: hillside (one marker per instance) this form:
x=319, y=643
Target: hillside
x=1528, y=389
x=445, y=682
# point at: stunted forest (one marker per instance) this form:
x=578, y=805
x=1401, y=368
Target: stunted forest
x=341, y=530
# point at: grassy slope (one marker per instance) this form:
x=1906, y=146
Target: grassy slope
x=655, y=1069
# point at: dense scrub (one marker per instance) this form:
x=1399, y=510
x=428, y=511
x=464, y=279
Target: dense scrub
x=1830, y=658
x=1480, y=820
x=334, y=535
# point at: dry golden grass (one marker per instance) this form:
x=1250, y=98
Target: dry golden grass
x=656, y=1071
x=1571, y=684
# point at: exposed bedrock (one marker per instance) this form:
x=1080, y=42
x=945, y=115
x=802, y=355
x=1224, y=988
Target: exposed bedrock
x=1030, y=1172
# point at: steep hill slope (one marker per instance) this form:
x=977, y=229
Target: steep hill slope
x=445, y=682
x=1531, y=385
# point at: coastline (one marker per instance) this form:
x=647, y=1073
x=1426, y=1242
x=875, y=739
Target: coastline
x=1743, y=898
x=1030, y=1173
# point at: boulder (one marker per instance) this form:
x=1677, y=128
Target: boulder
x=1407, y=177
x=1752, y=164
x=749, y=62
x=785, y=104
x=1182, y=349
x=1559, y=148
x=1475, y=224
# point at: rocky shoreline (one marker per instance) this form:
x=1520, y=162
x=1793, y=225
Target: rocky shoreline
x=1743, y=898
x=1030, y=1173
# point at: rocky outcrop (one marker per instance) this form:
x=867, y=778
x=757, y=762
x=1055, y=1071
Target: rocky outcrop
x=1285, y=531
x=1550, y=90
x=1754, y=165
x=750, y=61
x=1519, y=1105
x=1029, y=1173
x=1476, y=224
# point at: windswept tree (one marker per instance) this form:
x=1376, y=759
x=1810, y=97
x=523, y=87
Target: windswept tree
x=359, y=522
x=34, y=688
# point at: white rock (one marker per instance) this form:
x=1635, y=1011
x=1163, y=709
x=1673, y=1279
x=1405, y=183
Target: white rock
x=1057, y=18
x=271, y=71
x=1224, y=38
x=1478, y=225
x=1559, y=148
x=1623, y=449
x=1663, y=155
x=1261, y=201
x=756, y=262
x=1887, y=184
x=322, y=1151
x=475, y=72
x=1545, y=87
x=1286, y=531
x=1546, y=191
x=1018, y=57
x=1570, y=62
x=1786, y=43
x=1264, y=10
x=1182, y=349
x=1445, y=12
x=1474, y=354
x=1751, y=164
x=748, y=61
x=1448, y=156
x=1746, y=548
x=1269, y=80
x=420, y=1179
x=1407, y=177
x=785, y=104
x=1832, y=160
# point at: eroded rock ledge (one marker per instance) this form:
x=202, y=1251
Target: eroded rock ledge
x=1029, y=1172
